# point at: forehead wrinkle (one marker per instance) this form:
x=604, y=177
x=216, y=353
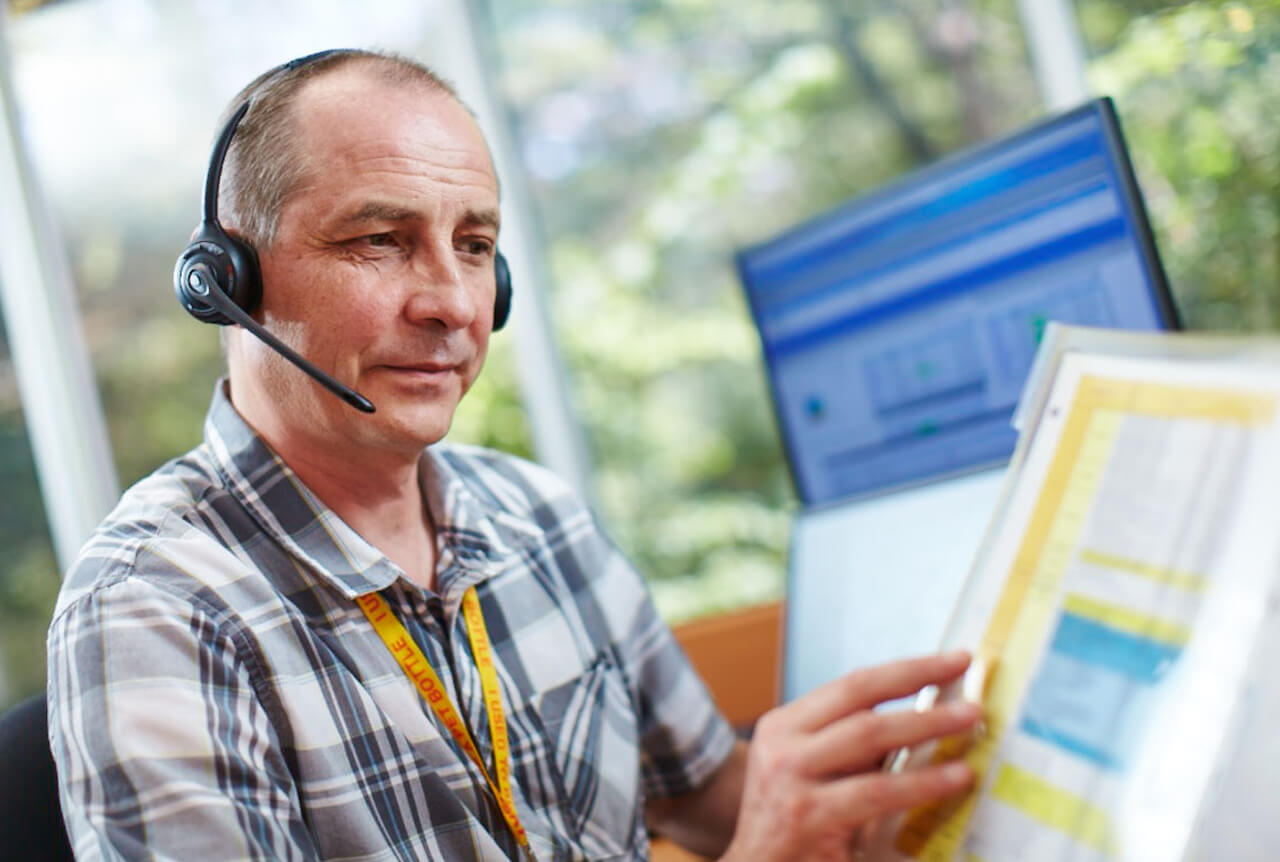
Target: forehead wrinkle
x=459, y=172
x=457, y=179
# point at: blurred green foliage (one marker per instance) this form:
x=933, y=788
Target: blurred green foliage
x=1198, y=88
x=659, y=136
x=28, y=586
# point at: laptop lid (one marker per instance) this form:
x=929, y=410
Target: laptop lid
x=898, y=328
x=874, y=579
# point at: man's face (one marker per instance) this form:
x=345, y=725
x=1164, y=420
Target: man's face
x=382, y=267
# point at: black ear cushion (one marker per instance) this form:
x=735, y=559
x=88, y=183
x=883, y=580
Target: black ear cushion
x=246, y=289
x=235, y=267
x=502, y=295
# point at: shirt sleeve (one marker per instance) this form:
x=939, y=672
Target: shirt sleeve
x=163, y=748
x=684, y=738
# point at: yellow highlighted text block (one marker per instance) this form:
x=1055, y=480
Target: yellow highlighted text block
x=1054, y=807
x=1127, y=620
x=1188, y=581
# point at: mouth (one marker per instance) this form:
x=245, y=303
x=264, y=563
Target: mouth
x=421, y=371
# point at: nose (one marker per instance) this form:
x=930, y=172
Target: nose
x=444, y=291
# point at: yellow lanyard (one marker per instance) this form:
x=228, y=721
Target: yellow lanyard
x=419, y=670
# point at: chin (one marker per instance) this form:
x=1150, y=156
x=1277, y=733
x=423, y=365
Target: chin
x=415, y=429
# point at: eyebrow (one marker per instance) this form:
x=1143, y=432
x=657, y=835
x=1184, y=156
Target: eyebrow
x=485, y=217
x=378, y=211
x=375, y=211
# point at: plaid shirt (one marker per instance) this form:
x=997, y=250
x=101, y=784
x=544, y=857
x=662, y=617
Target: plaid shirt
x=216, y=692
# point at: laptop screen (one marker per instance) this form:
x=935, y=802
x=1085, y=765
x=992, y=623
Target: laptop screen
x=898, y=329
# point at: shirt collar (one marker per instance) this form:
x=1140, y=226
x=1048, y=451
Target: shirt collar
x=470, y=546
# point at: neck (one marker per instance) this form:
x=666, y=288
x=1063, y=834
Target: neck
x=375, y=492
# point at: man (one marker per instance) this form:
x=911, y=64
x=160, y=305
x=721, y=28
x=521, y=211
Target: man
x=222, y=684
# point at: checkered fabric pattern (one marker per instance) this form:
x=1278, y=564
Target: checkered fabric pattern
x=216, y=693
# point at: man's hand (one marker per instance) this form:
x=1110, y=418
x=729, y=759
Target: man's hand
x=813, y=777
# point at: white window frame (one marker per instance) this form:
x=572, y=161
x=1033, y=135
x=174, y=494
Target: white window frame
x=1057, y=52
x=60, y=401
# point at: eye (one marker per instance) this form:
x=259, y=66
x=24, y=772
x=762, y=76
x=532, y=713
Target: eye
x=379, y=240
x=479, y=246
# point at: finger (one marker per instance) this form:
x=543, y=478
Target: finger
x=860, y=741
x=869, y=797
x=865, y=688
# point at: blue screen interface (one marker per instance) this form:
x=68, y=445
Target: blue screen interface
x=898, y=330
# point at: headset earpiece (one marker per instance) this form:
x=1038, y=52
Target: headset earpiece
x=234, y=265
x=502, y=295
x=230, y=263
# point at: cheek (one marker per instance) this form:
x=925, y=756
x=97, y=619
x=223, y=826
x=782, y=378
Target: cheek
x=343, y=320
x=305, y=288
x=482, y=350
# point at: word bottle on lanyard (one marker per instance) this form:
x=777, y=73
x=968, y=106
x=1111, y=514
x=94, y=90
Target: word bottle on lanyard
x=425, y=679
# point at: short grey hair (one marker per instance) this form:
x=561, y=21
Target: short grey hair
x=263, y=166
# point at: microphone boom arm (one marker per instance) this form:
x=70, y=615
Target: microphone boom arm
x=202, y=283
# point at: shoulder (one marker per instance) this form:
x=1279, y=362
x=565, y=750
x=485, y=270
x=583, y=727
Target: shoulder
x=524, y=505
x=160, y=533
x=509, y=483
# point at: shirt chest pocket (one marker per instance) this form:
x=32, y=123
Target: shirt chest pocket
x=587, y=771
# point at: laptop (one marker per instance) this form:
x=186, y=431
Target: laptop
x=897, y=331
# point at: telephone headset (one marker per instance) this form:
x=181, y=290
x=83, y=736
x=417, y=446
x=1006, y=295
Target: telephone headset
x=218, y=281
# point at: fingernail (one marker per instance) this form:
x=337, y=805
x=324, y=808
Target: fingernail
x=964, y=710
x=957, y=773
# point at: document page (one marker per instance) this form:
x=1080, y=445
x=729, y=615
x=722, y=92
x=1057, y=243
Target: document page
x=1119, y=600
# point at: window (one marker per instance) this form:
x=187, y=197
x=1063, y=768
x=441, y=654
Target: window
x=658, y=137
